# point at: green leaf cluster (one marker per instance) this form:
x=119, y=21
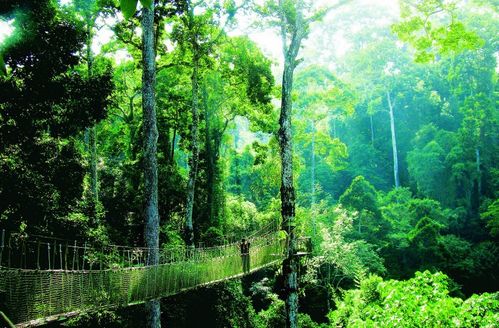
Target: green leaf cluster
x=422, y=301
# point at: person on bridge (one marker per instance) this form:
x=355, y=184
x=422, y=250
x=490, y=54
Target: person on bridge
x=245, y=256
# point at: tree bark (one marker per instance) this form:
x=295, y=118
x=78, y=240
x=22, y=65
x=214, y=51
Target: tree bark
x=194, y=160
x=150, y=154
x=290, y=263
x=394, y=142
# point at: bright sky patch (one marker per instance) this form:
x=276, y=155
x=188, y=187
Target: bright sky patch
x=6, y=29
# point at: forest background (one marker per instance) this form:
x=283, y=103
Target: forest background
x=394, y=138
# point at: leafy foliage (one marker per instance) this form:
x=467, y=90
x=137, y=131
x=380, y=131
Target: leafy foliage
x=46, y=102
x=431, y=28
x=422, y=301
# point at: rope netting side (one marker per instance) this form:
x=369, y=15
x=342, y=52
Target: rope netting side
x=49, y=253
x=36, y=294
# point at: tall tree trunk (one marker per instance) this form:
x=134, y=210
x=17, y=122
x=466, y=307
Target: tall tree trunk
x=288, y=197
x=193, y=162
x=312, y=178
x=166, y=144
x=94, y=183
x=478, y=177
x=218, y=198
x=92, y=133
x=237, y=166
x=394, y=142
x=290, y=264
x=130, y=121
x=150, y=150
x=210, y=165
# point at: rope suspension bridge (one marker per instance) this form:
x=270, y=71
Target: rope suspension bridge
x=44, y=280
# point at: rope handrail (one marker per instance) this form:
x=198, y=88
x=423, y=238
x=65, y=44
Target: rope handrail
x=72, y=243
x=42, y=252
x=48, y=253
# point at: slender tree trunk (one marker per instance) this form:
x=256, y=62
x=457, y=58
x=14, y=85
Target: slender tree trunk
x=174, y=140
x=92, y=133
x=218, y=198
x=394, y=142
x=312, y=179
x=130, y=119
x=237, y=168
x=478, y=177
x=150, y=150
x=94, y=183
x=131, y=141
x=193, y=162
x=168, y=145
x=210, y=165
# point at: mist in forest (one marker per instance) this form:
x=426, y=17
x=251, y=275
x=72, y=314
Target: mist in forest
x=353, y=144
